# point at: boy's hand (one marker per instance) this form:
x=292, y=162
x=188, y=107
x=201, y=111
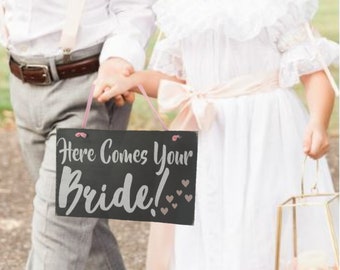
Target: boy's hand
x=108, y=69
x=316, y=142
x=117, y=85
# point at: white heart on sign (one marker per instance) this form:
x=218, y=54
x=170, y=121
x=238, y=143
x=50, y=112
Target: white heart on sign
x=179, y=192
x=188, y=197
x=174, y=205
x=169, y=198
x=185, y=182
x=164, y=210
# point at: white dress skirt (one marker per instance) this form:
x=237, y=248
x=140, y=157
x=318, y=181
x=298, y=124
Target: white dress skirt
x=250, y=158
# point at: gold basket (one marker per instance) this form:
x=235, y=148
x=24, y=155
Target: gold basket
x=298, y=245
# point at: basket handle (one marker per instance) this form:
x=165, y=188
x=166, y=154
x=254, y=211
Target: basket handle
x=314, y=188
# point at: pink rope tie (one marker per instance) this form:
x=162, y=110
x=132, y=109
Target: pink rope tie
x=155, y=113
x=86, y=115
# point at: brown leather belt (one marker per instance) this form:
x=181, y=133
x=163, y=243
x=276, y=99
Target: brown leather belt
x=41, y=75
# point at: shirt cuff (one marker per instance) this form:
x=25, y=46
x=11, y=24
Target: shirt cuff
x=125, y=48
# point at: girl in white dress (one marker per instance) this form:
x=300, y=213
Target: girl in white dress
x=239, y=61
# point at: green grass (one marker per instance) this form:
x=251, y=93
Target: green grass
x=326, y=21
x=4, y=99
x=4, y=95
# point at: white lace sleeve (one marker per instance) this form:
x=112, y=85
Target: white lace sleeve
x=303, y=58
x=167, y=58
x=301, y=53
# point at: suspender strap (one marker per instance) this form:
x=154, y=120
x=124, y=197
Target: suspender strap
x=71, y=25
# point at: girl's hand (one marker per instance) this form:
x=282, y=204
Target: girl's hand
x=316, y=142
x=107, y=70
x=116, y=86
x=320, y=99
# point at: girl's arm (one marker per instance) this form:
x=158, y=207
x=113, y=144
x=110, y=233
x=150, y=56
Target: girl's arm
x=320, y=99
x=120, y=84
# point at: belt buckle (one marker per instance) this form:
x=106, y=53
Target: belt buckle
x=46, y=74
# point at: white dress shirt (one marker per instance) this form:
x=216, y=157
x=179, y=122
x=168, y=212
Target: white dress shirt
x=34, y=27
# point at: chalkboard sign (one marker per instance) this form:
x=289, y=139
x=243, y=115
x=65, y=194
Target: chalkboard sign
x=130, y=175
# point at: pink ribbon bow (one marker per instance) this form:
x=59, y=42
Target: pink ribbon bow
x=195, y=112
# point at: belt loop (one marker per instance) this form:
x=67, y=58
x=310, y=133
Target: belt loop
x=53, y=69
x=66, y=55
x=21, y=66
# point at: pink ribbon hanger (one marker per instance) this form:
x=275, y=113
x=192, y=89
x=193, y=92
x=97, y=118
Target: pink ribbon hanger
x=89, y=104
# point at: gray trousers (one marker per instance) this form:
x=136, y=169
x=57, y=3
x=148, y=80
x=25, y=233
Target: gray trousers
x=62, y=243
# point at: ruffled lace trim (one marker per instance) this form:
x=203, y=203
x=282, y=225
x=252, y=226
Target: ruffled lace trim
x=294, y=37
x=303, y=59
x=240, y=20
x=167, y=58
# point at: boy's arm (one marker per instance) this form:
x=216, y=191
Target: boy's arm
x=123, y=51
x=120, y=84
x=134, y=24
x=320, y=99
